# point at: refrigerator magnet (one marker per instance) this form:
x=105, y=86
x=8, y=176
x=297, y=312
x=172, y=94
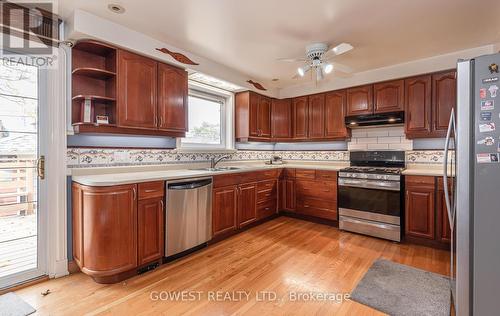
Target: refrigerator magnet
x=488, y=141
x=493, y=90
x=487, y=105
x=490, y=80
x=487, y=158
x=488, y=127
x=482, y=93
x=485, y=116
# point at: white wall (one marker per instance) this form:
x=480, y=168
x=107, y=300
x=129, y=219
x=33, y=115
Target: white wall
x=426, y=65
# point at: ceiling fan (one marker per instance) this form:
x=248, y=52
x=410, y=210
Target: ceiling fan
x=318, y=59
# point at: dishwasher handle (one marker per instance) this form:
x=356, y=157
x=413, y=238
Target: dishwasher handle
x=189, y=185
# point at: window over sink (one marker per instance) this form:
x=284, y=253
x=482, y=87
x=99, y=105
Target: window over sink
x=210, y=124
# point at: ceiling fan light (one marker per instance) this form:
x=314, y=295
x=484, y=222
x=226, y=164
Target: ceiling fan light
x=328, y=68
x=301, y=71
x=319, y=73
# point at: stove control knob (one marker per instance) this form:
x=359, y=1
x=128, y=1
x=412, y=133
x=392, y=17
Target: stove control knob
x=379, y=177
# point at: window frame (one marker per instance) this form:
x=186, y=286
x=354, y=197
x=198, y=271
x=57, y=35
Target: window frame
x=226, y=99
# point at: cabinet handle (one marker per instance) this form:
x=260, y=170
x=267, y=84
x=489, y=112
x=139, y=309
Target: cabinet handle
x=162, y=206
x=149, y=191
x=267, y=209
x=134, y=193
x=306, y=206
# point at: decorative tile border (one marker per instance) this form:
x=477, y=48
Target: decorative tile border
x=107, y=157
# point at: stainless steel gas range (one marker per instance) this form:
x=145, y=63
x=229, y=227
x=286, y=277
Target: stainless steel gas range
x=371, y=200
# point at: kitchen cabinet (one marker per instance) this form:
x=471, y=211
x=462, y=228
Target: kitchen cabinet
x=316, y=116
x=287, y=190
x=117, y=229
x=224, y=210
x=388, y=96
x=443, y=224
x=418, y=106
x=281, y=114
x=360, y=100
x=252, y=117
x=267, y=198
x=335, y=112
x=172, y=99
x=247, y=204
x=428, y=103
x=105, y=230
x=316, y=193
x=420, y=212
x=444, y=98
x=300, y=117
x=137, y=91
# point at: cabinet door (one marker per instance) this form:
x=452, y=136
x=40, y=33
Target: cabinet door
x=420, y=212
x=281, y=118
x=388, y=96
x=224, y=210
x=172, y=98
x=288, y=194
x=264, y=117
x=150, y=235
x=137, y=84
x=109, y=229
x=335, y=112
x=360, y=100
x=317, y=116
x=444, y=98
x=443, y=224
x=253, y=108
x=300, y=117
x=418, y=106
x=247, y=204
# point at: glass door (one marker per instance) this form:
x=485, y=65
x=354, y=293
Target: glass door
x=21, y=235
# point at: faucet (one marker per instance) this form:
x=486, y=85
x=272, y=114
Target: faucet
x=214, y=162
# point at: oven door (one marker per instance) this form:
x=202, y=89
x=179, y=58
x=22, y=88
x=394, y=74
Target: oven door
x=373, y=196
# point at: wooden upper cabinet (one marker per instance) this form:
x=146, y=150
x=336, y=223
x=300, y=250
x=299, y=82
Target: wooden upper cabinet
x=418, y=106
x=137, y=91
x=360, y=100
x=335, y=112
x=224, y=210
x=172, y=98
x=264, y=117
x=444, y=98
x=388, y=96
x=150, y=234
x=247, y=204
x=107, y=249
x=316, y=116
x=300, y=117
x=252, y=116
x=281, y=118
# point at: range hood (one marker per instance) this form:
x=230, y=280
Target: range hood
x=375, y=119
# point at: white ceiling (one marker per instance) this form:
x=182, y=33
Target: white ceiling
x=249, y=36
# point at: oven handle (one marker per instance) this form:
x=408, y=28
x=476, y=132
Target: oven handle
x=381, y=185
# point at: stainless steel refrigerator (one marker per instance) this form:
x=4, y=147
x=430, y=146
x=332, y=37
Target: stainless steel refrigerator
x=473, y=202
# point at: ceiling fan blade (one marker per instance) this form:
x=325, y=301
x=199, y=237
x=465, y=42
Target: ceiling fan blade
x=291, y=60
x=342, y=68
x=342, y=48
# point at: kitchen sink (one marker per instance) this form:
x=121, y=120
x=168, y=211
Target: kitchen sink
x=217, y=169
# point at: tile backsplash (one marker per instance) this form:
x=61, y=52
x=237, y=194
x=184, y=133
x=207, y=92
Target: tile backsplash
x=107, y=157
x=379, y=138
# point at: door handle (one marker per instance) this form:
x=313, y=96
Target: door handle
x=445, y=173
x=40, y=166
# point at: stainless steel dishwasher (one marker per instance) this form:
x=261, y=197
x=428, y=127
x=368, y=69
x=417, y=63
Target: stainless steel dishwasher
x=188, y=214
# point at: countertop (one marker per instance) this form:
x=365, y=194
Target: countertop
x=127, y=177
x=425, y=170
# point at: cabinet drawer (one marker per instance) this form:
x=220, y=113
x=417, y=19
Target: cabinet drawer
x=288, y=173
x=265, y=195
x=317, y=189
x=266, y=209
x=317, y=207
x=420, y=181
x=149, y=190
x=268, y=174
x=305, y=174
x=266, y=185
x=326, y=175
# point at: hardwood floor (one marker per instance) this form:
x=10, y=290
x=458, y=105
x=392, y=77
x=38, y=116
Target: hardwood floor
x=280, y=256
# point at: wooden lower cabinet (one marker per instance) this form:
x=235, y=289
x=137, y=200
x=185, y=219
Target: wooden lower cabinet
x=224, y=209
x=287, y=194
x=247, y=204
x=426, y=218
x=113, y=232
x=150, y=232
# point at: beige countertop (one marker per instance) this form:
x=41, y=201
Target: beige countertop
x=127, y=175
x=425, y=170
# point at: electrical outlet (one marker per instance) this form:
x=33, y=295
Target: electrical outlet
x=121, y=156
